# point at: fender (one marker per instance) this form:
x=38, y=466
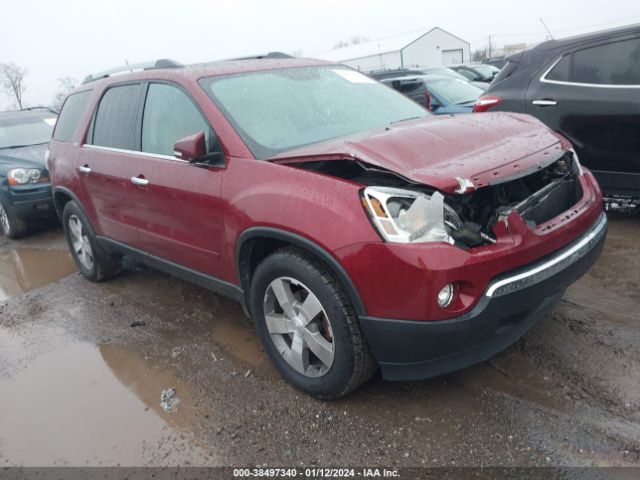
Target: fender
x=68, y=192
x=310, y=246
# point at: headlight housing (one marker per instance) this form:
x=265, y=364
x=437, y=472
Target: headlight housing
x=23, y=176
x=405, y=216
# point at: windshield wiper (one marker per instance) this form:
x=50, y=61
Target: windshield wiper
x=8, y=147
x=406, y=119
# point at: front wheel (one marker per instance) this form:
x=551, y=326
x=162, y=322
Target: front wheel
x=307, y=325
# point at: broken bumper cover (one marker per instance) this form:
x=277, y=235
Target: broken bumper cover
x=510, y=306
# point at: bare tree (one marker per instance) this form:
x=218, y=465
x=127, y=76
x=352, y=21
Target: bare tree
x=12, y=80
x=354, y=40
x=479, y=55
x=65, y=85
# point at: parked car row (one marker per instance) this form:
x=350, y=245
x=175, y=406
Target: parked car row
x=357, y=229
x=441, y=90
x=25, y=191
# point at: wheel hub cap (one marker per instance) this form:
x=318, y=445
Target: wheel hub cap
x=4, y=220
x=80, y=242
x=299, y=327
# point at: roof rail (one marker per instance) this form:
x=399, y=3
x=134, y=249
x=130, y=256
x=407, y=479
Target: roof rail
x=162, y=63
x=41, y=107
x=262, y=56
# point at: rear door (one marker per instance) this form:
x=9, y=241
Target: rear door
x=178, y=204
x=592, y=96
x=105, y=162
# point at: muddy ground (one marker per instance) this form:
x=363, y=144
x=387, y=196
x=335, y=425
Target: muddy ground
x=80, y=386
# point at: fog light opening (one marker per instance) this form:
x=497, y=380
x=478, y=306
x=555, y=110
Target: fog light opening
x=445, y=296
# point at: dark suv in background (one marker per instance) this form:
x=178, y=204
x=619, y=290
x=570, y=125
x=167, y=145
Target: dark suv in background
x=588, y=89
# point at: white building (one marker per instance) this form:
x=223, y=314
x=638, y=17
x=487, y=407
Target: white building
x=427, y=48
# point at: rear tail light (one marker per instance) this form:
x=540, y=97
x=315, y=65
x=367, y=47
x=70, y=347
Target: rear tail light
x=486, y=102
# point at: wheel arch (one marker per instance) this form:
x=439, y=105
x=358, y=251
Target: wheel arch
x=61, y=196
x=256, y=243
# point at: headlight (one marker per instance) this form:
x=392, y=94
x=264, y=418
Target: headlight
x=21, y=176
x=404, y=216
x=577, y=161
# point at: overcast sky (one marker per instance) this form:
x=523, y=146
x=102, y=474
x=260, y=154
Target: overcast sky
x=55, y=38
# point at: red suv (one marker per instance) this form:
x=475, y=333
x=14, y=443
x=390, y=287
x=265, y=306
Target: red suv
x=356, y=229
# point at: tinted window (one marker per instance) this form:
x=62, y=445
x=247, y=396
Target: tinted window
x=405, y=86
x=561, y=71
x=611, y=64
x=469, y=74
x=278, y=110
x=115, y=121
x=70, y=116
x=169, y=114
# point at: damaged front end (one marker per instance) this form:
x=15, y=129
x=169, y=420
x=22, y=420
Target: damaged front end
x=407, y=212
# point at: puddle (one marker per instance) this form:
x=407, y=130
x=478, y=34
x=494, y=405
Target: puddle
x=238, y=338
x=78, y=404
x=24, y=269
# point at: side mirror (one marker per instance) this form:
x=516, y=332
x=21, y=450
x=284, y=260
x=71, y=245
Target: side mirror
x=191, y=147
x=427, y=100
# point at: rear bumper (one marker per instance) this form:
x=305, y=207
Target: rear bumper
x=511, y=305
x=29, y=201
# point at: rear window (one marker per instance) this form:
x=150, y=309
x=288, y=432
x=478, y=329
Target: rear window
x=454, y=91
x=69, y=117
x=115, y=121
x=611, y=64
x=561, y=70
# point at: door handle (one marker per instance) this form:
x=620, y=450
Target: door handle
x=84, y=169
x=545, y=102
x=141, y=182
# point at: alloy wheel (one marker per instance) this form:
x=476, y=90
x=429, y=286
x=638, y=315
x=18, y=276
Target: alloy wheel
x=4, y=221
x=299, y=327
x=80, y=242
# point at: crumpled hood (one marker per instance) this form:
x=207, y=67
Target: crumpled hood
x=439, y=151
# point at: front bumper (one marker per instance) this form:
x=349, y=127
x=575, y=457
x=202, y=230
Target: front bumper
x=512, y=303
x=29, y=201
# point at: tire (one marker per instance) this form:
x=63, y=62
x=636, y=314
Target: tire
x=326, y=355
x=12, y=226
x=92, y=261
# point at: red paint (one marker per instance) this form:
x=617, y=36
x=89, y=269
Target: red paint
x=194, y=216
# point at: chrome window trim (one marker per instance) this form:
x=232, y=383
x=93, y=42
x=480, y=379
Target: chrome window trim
x=544, y=79
x=133, y=152
x=550, y=267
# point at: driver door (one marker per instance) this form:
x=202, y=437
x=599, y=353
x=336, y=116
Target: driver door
x=178, y=205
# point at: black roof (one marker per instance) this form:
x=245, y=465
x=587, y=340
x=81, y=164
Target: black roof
x=589, y=37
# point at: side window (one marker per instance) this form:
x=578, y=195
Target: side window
x=169, y=114
x=69, y=117
x=560, y=71
x=472, y=76
x=115, y=121
x=615, y=63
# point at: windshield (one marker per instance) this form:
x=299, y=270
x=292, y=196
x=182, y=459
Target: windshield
x=453, y=91
x=19, y=131
x=278, y=110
